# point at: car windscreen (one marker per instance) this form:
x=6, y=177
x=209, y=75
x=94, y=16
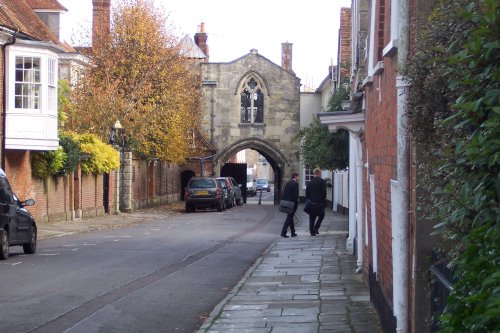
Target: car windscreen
x=202, y=183
x=261, y=181
x=222, y=183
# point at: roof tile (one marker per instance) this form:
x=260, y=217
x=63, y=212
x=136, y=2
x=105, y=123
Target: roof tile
x=45, y=4
x=17, y=15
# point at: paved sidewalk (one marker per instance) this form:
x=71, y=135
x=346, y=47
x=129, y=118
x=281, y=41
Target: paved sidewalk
x=303, y=284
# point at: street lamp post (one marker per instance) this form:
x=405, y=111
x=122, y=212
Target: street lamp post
x=118, y=139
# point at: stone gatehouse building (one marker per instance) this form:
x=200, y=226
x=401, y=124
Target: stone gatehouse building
x=253, y=103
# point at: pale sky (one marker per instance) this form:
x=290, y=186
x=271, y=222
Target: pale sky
x=234, y=27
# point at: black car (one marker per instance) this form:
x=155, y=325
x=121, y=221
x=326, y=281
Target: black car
x=204, y=192
x=234, y=190
x=17, y=225
x=226, y=190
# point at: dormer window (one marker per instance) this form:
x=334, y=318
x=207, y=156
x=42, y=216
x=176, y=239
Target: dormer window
x=252, y=102
x=51, y=19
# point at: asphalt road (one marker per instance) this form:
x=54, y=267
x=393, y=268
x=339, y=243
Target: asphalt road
x=161, y=276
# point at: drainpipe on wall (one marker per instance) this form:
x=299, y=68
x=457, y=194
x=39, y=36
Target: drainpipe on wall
x=359, y=204
x=399, y=188
x=352, y=195
x=212, y=84
x=4, y=96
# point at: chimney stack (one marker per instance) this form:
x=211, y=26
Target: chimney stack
x=200, y=38
x=101, y=18
x=286, y=56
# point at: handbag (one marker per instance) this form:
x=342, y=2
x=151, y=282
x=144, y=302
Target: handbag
x=286, y=206
x=313, y=208
x=308, y=208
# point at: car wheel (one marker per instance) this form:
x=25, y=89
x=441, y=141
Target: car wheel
x=30, y=248
x=4, y=245
x=189, y=208
x=239, y=202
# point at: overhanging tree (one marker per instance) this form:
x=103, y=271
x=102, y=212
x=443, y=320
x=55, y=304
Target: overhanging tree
x=138, y=76
x=320, y=148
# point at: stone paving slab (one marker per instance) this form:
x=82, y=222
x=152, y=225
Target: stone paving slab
x=300, y=285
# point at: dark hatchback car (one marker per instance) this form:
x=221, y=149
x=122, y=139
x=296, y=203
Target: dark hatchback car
x=17, y=225
x=226, y=190
x=204, y=192
x=234, y=190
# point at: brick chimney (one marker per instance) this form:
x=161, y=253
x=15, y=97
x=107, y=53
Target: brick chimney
x=101, y=18
x=286, y=56
x=200, y=38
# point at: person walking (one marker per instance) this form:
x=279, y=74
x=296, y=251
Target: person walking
x=316, y=194
x=291, y=193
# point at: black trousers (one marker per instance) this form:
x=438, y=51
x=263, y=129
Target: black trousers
x=315, y=224
x=289, y=222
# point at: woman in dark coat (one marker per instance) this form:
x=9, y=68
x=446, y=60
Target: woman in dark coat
x=291, y=193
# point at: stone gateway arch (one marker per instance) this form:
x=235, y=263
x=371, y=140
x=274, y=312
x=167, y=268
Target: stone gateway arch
x=252, y=103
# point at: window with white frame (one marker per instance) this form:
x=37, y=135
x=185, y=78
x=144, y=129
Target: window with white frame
x=252, y=102
x=28, y=83
x=52, y=85
x=308, y=174
x=31, y=94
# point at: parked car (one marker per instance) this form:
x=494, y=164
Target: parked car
x=17, y=225
x=204, y=192
x=263, y=185
x=226, y=188
x=235, y=191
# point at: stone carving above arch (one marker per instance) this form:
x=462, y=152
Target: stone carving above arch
x=257, y=77
x=262, y=146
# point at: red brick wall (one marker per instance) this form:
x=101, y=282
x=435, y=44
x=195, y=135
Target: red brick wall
x=381, y=27
x=345, y=42
x=50, y=196
x=155, y=183
x=380, y=144
x=92, y=195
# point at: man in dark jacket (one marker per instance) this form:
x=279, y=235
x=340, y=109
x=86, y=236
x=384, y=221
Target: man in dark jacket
x=291, y=193
x=316, y=193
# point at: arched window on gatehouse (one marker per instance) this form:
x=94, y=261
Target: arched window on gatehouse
x=252, y=102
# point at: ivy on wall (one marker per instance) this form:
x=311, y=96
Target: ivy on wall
x=454, y=113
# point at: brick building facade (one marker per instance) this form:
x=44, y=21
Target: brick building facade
x=392, y=243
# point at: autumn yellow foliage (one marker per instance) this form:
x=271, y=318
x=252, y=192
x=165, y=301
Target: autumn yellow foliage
x=139, y=77
x=99, y=157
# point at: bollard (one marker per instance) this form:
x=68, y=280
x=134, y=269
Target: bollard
x=260, y=196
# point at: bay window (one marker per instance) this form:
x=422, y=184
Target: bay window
x=31, y=112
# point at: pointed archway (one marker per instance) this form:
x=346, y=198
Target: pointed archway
x=272, y=154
